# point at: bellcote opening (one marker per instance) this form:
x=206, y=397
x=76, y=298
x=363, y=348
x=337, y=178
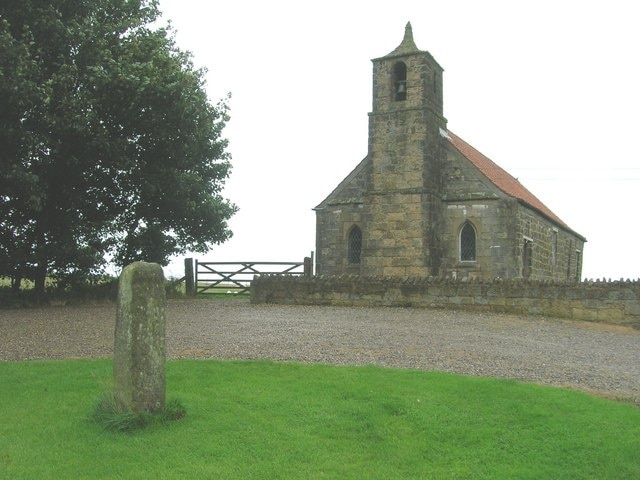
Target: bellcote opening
x=400, y=81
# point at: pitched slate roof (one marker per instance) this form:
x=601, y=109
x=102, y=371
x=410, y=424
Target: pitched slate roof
x=503, y=180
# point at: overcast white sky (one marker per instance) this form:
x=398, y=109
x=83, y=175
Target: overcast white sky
x=549, y=90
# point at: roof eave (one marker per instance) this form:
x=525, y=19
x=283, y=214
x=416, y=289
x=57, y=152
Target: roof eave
x=563, y=226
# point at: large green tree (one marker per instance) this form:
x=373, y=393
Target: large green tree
x=108, y=143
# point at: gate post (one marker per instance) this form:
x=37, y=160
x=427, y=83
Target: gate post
x=188, y=277
x=308, y=267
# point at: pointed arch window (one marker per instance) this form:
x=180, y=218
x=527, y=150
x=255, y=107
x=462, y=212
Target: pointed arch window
x=400, y=81
x=354, y=247
x=467, y=243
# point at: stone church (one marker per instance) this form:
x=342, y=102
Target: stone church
x=423, y=202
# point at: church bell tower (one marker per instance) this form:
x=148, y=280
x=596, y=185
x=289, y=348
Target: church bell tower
x=406, y=151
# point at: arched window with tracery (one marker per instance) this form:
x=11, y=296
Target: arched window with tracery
x=467, y=243
x=354, y=247
x=400, y=81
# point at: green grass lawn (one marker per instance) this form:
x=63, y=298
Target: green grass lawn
x=263, y=420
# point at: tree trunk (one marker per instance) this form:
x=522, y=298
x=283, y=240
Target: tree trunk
x=16, y=280
x=40, y=271
x=39, y=282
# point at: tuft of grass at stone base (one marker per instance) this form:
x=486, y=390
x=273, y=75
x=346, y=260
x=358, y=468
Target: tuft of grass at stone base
x=114, y=414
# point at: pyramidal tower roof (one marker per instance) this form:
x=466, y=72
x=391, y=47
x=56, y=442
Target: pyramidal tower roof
x=407, y=46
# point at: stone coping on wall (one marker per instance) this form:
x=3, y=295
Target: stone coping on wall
x=594, y=300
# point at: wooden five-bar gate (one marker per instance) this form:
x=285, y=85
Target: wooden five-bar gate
x=235, y=277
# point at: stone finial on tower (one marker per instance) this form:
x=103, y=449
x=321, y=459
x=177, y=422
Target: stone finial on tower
x=407, y=45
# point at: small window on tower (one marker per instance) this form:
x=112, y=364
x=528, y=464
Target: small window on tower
x=354, y=248
x=400, y=81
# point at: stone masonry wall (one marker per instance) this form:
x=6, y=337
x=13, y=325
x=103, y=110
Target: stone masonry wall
x=611, y=302
x=332, y=230
x=394, y=244
x=492, y=221
x=556, y=253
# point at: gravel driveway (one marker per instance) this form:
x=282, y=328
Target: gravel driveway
x=603, y=359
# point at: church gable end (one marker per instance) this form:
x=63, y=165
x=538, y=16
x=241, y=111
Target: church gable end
x=462, y=180
x=352, y=188
x=423, y=202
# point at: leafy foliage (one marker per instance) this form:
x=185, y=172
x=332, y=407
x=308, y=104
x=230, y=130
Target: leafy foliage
x=108, y=143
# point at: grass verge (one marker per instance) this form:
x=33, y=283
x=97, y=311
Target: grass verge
x=264, y=420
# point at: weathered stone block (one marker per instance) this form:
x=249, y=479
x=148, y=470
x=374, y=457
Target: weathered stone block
x=611, y=314
x=580, y=313
x=139, y=350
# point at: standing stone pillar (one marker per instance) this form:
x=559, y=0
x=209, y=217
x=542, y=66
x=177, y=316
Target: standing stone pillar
x=139, y=350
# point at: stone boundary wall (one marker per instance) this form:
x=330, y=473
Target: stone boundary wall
x=602, y=301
